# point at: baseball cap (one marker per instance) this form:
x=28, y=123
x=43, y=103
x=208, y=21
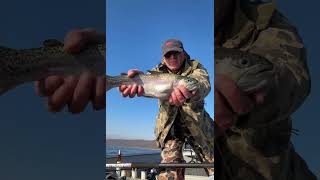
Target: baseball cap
x=172, y=45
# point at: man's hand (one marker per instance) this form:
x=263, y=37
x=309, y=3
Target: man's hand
x=133, y=90
x=230, y=101
x=74, y=91
x=179, y=95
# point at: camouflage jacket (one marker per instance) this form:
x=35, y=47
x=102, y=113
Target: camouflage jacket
x=192, y=112
x=260, y=148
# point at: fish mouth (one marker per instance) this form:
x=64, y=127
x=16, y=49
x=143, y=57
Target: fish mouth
x=250, y=89
x=256, y=79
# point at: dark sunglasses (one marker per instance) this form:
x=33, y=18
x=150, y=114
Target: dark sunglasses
x=174, y=53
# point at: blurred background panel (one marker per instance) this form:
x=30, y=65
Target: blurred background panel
x=304, y=15
x=34, y=143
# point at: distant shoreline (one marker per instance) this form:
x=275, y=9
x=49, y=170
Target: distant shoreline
x=146, y=144
x=133, y=147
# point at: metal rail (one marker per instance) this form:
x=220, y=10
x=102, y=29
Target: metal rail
x=161, y=165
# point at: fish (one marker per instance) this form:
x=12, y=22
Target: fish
x=249, y=71
x=252, y=74
x=155, y=84
x=19, y=66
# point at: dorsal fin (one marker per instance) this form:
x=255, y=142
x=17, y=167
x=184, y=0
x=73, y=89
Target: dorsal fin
x=52, y=43
x=154, y=72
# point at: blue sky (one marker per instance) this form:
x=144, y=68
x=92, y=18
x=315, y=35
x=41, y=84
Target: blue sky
x=135, y=33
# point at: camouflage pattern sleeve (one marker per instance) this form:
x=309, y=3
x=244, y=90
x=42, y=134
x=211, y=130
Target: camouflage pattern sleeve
x=281, y=44
x=261, y=141
x=201, y=74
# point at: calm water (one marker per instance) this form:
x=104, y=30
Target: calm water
x=125, y=151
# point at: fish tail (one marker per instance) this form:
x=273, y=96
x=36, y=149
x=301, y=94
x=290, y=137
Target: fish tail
x=108, y=82
x=6, y=83
x=112, y=82
x=116, y=81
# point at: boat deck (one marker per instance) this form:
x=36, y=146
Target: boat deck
x=191, y=173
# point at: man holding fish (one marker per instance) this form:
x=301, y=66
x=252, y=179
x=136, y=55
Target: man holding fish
x=182, y=114
x=253, y=124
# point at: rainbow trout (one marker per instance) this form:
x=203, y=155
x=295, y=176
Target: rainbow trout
x=250, y=72
x=155, y=85
x=18, y=66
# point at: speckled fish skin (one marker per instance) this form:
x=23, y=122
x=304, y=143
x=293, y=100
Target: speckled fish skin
x=155, y=85
x=18, y=66
x=249, y=71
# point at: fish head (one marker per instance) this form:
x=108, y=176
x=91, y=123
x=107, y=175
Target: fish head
x=256, y=77
x=250, y=72
x=190, y=83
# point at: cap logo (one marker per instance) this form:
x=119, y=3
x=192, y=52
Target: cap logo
x=169, y=43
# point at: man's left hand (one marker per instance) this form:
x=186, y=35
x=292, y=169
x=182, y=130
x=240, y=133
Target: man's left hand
x=179, y=95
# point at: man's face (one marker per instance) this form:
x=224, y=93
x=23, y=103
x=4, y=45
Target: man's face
x=174, y=60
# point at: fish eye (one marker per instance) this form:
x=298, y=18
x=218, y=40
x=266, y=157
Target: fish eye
x=243, y=62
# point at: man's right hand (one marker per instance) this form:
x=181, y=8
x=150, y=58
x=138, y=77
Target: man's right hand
x=229, y=102
x=133, y=90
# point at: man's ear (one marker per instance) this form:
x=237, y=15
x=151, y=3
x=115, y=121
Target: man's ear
x=162, y=61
